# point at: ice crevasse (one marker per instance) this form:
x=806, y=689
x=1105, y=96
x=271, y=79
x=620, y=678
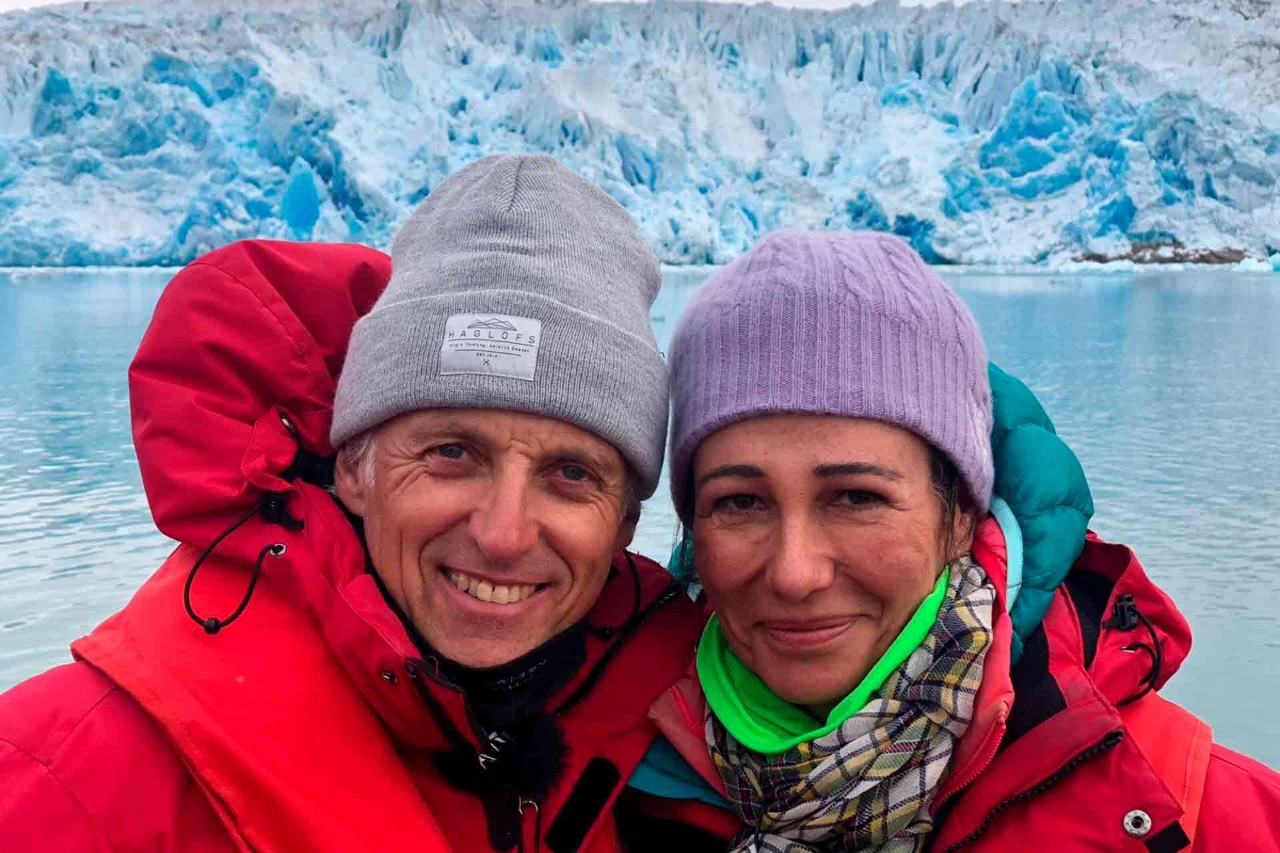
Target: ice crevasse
x=1024, y=133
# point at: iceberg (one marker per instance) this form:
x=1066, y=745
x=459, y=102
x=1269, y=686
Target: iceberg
x=145, y=133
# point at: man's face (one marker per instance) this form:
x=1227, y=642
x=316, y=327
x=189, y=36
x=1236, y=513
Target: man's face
x=493, y=530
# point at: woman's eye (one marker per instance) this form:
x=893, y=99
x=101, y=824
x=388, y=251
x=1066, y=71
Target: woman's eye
x=859, y=498
x=736, y=503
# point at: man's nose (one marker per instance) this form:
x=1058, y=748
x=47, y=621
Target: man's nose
x=502, y=526
x=801, y=563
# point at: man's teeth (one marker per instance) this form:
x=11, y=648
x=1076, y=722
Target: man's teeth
x=485, y=591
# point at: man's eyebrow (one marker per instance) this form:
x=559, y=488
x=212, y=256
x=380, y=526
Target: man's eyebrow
x=583, y=457
x=454, y=430
x=436, y=431
x=838, y=469
x=730, y=471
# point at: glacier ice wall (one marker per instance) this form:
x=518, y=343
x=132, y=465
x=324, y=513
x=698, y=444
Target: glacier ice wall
x=146, y=133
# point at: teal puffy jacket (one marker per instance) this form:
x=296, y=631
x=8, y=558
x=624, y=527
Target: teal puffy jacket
x=1040, y=482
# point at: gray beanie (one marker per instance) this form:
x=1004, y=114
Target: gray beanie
x=516, y=285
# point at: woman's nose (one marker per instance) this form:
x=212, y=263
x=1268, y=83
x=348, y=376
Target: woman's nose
x=801, y=565
x=502, y=526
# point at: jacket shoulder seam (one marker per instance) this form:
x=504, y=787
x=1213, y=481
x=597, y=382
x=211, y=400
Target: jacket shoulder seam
x=57, y=751
x=1225, y=758
x=86, y=814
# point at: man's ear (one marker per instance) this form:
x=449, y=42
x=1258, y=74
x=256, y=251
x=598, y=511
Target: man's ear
x=626, y=533
x=349, y=483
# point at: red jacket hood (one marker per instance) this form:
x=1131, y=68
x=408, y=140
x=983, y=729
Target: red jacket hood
x=1124, y=619
x=241, y=337
x=234, y=377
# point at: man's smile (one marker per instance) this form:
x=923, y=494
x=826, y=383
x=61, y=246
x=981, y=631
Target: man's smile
x=489, y=591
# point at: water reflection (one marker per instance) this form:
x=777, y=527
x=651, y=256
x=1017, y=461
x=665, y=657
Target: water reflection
x=1166, y=385
x=75, y=535
x=1167, y=388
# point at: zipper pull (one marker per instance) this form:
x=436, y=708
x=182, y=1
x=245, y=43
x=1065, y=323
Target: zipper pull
x=527, y=806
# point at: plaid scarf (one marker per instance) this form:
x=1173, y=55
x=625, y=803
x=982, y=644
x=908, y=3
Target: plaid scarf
x=869, y=783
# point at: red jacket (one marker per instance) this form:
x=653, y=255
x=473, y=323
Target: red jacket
x=1056, y=759
x=310, y=722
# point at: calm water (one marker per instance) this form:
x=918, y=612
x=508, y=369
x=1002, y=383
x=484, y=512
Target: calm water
x=1166, y=385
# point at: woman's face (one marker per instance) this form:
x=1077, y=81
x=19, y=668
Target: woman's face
x=816, y=538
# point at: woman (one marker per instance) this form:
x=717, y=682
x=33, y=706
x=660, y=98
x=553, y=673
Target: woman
x=870, y=682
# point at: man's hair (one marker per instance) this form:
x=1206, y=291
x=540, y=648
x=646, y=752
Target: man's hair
x=357, y=454
x=631, y=495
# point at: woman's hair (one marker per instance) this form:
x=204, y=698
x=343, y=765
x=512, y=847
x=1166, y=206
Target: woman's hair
x=951, y=490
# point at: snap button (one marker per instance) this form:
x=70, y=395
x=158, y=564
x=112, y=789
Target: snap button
x=389, y=676
x=1137, y=823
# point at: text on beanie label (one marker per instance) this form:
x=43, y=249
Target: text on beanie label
x=490, y=344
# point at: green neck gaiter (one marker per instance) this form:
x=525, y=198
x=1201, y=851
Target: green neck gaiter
x=766, y=723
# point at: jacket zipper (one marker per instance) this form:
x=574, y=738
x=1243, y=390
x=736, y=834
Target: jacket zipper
x=953, y=789
x=1094, y=751
x=524, y=807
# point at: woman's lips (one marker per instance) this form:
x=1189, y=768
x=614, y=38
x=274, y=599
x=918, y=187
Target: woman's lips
x=807, y=634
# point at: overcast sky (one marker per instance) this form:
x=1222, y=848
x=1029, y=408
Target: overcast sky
x=8, y=5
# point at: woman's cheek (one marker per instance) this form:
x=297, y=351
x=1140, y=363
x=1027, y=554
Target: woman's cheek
x=720, y=561
x=891, y=570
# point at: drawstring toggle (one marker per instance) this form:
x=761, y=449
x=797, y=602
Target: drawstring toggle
x=274, y=510
x=1125, y=616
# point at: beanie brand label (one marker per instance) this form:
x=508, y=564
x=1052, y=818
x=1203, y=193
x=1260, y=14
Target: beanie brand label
x=490, y=345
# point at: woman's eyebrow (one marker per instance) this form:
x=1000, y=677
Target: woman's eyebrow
x=730, y=471
x=837, y=469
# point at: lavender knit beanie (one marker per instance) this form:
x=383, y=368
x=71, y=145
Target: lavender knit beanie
x=831, y=323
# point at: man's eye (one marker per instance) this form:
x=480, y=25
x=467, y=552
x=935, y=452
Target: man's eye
x=576, y=473
x=449, y=451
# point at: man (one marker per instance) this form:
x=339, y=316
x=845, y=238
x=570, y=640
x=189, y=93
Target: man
x=458, y=655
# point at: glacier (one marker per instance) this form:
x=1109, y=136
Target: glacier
x=145, y=133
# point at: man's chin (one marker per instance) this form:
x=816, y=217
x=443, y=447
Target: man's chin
x=484, y=654
x=477, y=642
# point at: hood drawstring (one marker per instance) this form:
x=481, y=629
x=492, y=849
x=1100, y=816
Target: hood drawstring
x=1125, y=616
x=273, y=507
